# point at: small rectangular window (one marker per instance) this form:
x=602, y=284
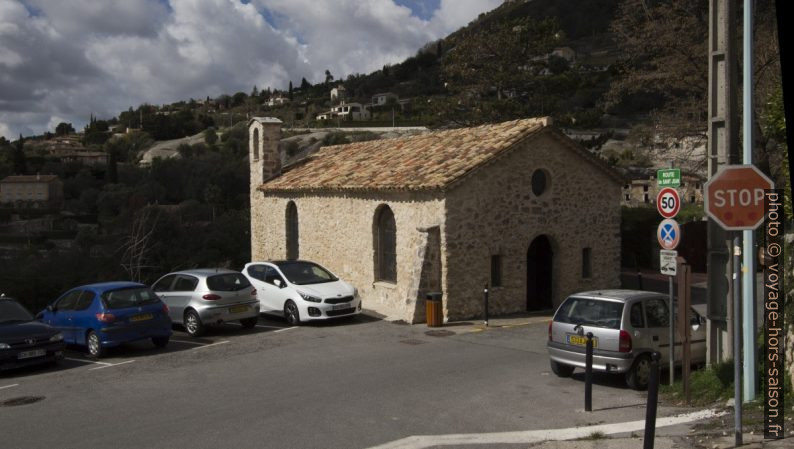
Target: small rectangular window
x=496, y=270
x=587, y=267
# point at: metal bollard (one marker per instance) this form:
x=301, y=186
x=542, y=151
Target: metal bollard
x=653, y=399
x=588, y=374
x=639, y=280
x=485, y=294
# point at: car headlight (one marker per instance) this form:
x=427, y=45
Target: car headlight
x=57, y=337
x=4, y=346
x=309, y=297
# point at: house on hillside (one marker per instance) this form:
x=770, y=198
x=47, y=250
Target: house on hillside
x=91, y=158
x=383, y=98
x=641, y=189
x=338, y=94
x=516, y=206
x=346, y=111
x=277, y=101
x=41, y=190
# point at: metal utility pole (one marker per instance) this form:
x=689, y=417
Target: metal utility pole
x=748, y=271
x=722, y=149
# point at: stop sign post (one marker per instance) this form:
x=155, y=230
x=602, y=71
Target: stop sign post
x=734, y=197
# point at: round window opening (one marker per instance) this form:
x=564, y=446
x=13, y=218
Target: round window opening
x=540, y=182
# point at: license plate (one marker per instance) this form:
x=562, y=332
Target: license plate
x=340, y=306
x=238, y=309
x=31, y=354
x=142, y=317
x=580, y=340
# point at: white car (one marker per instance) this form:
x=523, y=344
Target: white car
x=300, y=290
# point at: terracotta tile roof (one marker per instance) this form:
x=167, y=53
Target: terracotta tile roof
x=423, y=162
x=29, y=178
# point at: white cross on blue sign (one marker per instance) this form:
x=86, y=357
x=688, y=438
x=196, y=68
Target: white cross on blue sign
x=668, y=233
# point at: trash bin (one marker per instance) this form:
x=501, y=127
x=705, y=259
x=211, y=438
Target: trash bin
x=435, y=316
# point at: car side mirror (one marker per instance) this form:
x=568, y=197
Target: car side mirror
x=278, y=283
x=50, y=308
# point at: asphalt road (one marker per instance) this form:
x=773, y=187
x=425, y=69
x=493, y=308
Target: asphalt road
x=349, y=384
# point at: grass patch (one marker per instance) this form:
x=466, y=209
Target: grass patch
x=597, y=435
x=707, y=386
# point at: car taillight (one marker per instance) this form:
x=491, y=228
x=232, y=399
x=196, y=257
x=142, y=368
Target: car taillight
x=165, y=309
x=211, y=297
x=550, y=330
x=106, y=317
x=625, y=342
x=253, y=292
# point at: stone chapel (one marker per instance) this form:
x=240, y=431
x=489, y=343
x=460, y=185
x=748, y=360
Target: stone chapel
x=516, y=206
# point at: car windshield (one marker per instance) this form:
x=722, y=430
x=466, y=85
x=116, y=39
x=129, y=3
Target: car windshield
x=128, y=297
x=11, y=311
x=591, y=312
x=302, y=273
x=227, y=282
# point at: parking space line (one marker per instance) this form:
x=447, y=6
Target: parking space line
x=9, y=386
x=198, y=343
x=285, y=329
x=87, y=361
x=112, y=364
x=260, y=325
x=213, y=344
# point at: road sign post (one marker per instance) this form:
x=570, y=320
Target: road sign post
x=668, y=264
x=734, y=198
x=668, y=203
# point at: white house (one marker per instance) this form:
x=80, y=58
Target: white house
x=383, y=98
x=346, y=111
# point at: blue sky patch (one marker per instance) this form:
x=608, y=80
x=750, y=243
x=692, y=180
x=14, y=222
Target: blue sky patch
x=422, y=9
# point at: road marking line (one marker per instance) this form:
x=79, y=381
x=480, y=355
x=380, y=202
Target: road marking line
x=536, y=436
x=285, y=329
x=212, y=344
x=112, y=364
x=190, y=342
x=87, y=361
x=9, y=386
x=260, y=325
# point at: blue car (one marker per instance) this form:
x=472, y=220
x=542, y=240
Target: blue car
x=100, y=316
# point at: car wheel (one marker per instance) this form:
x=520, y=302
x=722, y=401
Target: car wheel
x=95, y=348
x=291, y=313
x=160, y=342
x=560, y=369
x=193, y=324
x=248, y=323
x=640, y=372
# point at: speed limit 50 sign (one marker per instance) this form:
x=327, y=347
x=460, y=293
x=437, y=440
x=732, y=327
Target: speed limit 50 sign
x=668, y=202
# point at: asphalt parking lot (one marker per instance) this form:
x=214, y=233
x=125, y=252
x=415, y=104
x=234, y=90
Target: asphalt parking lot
x=357, y=382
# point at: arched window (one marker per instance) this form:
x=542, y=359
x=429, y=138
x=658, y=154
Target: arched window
x=385, y=242
x=291, y=226
x=256, y=144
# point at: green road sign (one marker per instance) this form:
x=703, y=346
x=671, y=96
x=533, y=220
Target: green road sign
x=669, y=177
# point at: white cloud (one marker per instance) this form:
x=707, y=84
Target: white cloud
x=69, y=59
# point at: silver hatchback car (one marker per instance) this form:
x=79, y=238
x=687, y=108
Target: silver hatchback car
x=197, y=298
x=627, y=326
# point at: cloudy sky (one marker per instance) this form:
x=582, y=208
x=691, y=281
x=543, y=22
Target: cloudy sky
x=62, y=60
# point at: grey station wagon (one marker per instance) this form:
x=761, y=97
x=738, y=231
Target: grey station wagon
x=627, y=326
x=198, y=298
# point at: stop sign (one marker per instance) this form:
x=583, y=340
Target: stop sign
x=734, y=197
